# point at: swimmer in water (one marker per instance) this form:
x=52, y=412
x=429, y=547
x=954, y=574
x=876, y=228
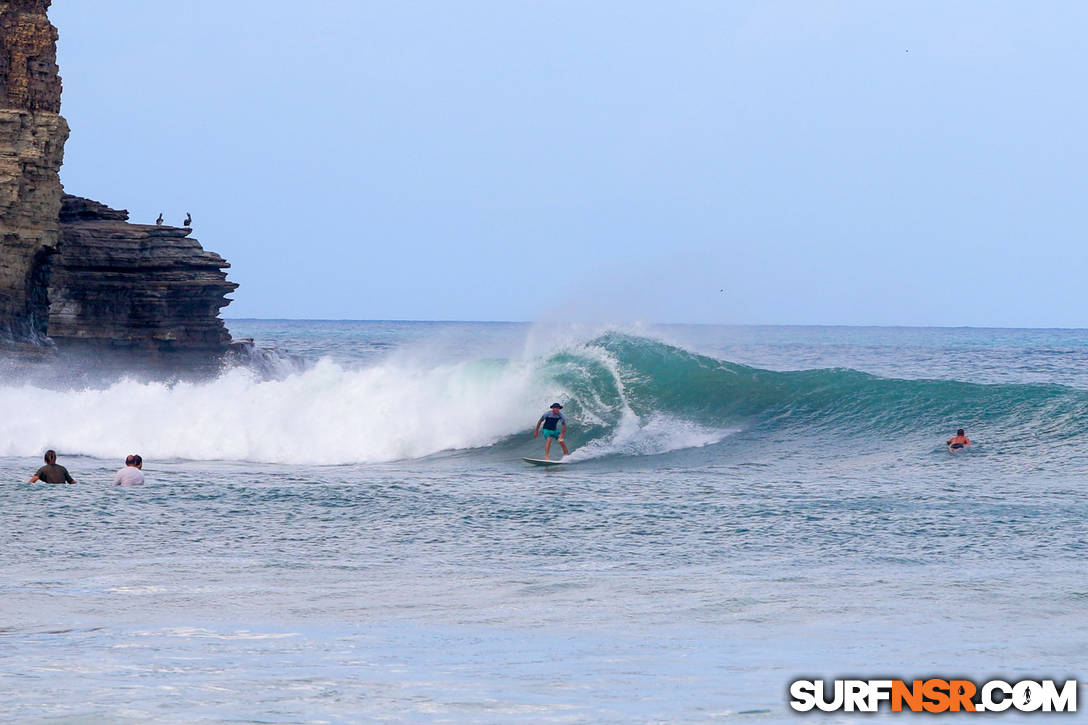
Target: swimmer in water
x=958, y=441
x=51, y=472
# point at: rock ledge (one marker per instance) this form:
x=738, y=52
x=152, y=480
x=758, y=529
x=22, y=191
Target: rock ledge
x=133, y=285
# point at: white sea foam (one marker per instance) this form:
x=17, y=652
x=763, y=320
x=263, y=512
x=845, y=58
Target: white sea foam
x=326, y=414
x=652, y=436
x=200, y=633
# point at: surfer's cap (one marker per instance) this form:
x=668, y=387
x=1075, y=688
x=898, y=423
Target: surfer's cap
x=556, y=405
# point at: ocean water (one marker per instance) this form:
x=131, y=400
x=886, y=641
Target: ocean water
x=344, y=531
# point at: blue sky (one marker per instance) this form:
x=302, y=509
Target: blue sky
x=903, y=163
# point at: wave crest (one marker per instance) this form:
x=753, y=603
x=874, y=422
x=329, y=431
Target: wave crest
x=625, y=395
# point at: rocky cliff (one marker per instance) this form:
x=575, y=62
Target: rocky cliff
x=73, y=271
x=32, y=136
x=133, y=285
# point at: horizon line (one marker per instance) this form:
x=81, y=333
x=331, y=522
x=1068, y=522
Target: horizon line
x=693, y=324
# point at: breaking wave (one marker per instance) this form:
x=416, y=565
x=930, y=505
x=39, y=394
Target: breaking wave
x=626, y=395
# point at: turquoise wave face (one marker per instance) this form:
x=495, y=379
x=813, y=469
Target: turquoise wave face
x=615, y=373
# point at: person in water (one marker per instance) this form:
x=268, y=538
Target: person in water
x=555, y=426
x=131, y=474
x=51, y=472
x=959, y=440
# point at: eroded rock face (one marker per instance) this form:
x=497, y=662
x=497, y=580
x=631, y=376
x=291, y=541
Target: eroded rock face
x=142, y=286
x=79, y=274
x=29, y=77
x=32, y=136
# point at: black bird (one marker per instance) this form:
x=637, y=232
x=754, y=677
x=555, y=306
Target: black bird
x=159, y=220
x=188, y=220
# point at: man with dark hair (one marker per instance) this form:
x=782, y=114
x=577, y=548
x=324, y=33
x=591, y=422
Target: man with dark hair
x=555, y=426
x=130, y=475
x=51, y=472
x=959, y=440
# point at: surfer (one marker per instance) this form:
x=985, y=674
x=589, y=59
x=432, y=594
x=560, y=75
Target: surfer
x=959, y=440
x=51, y=472
x=555, y=426
x=131, y=474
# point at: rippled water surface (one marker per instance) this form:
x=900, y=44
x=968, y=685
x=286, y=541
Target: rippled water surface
x=731, y=528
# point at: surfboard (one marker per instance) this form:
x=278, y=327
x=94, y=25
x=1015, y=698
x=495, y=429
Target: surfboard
x=542, y=462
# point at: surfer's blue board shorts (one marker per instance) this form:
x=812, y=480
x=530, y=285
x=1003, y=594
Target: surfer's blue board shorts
x=554, y=433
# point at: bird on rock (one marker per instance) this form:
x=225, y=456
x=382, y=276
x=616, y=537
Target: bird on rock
x=188, y=220
x=159, y=220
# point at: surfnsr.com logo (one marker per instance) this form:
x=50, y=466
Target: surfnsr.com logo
x=933, y=695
